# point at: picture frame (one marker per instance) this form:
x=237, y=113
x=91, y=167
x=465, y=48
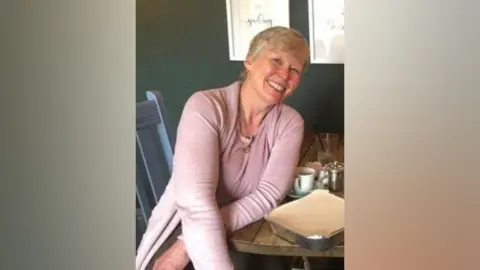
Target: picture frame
x=246, y=18
x=327, y=31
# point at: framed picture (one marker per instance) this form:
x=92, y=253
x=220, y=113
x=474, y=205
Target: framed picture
x=327, y=24
x=246, y=18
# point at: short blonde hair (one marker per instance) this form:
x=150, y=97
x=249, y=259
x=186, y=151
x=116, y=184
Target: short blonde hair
x=279, y=37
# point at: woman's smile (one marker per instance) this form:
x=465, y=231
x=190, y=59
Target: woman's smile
x=278, y=87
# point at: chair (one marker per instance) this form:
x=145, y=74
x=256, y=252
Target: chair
x=154, y=155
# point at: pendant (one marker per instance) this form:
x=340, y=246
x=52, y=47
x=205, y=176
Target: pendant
x=246, y=149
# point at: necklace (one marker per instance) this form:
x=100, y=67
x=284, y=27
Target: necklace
x=247, y=140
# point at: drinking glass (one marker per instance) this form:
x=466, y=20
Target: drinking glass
x=327, y=144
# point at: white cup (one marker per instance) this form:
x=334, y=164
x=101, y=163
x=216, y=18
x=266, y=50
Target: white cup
x=304, y=180
x=317, y=166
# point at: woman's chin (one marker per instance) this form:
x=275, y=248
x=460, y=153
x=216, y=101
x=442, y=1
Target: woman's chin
x=275, y=99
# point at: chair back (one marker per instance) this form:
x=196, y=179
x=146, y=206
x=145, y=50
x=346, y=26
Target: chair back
x=154, y=154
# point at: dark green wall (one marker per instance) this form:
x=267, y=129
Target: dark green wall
x=182, y=46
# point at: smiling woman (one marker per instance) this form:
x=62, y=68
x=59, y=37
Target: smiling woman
x=243, y=132
x=279, y=39
x=275, y=62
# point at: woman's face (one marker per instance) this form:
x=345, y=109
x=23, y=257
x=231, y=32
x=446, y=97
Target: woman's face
x=274, y=74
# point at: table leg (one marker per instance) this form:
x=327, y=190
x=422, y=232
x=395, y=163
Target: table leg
x=306, y=263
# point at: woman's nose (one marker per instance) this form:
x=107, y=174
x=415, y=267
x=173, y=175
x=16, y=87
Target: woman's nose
x=284, y=72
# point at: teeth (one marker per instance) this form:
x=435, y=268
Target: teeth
x=276, y=86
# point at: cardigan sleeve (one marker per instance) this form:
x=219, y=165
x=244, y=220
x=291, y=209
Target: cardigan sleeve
x=195, y=175
x=276, y=181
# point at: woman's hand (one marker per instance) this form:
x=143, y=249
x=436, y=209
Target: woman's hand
x=175, y=258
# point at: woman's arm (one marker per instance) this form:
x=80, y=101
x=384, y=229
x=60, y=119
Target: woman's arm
x=195, y=178
x=276, y=181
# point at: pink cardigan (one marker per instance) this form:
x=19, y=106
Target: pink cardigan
x=217, y=188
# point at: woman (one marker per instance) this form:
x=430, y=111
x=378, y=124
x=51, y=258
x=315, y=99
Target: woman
x=236, y=152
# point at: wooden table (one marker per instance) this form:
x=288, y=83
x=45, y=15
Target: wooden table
x=259, y=238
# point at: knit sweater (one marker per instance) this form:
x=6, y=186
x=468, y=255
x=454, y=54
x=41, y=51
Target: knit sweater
x=216, y=187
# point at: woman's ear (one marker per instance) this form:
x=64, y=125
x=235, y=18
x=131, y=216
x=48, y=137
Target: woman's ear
x=247, y=63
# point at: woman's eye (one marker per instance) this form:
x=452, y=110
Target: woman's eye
x=277, y=60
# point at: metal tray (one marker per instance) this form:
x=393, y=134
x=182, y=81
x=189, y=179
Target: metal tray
x=312, y=242
x=333, y=233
